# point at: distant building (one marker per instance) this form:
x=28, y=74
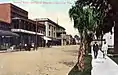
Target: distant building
x=53, y=31
x=50, y=27
x=61, y=35
x=69, y=39
x=109, y=38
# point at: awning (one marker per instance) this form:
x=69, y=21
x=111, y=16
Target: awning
x=46, y=38
x=7, y=33
x=40, y=34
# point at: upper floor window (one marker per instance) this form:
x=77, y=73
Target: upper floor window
x=54, y=34
x=49, y=33
x=54, y=28
x=49, y=26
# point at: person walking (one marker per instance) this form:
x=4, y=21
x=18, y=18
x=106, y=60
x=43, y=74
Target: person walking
x=33, y=46
x=95, y=49
x=20, y=46
x=104, y=49
x=26, y=47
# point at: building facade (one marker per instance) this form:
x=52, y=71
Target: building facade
x=69, y=39
x=29, y=31
x=11, y=11
x=38, y=31
x=6, y=35
x=50, y=29
x=4, y=41
x=54, y=31
x=61, y=35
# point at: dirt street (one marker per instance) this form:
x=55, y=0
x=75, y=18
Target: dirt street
x=45, y=61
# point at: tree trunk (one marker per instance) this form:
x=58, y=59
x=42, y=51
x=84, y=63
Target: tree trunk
x=101, y=41
x=80, y=62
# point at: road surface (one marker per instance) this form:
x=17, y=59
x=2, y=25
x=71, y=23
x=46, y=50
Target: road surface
x=45, y=61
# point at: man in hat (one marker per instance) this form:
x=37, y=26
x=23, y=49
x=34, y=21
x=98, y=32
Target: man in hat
x=95, y=49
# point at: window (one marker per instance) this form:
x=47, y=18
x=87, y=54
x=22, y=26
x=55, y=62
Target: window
x=49, y=33
x=54, y=34
x=49, y=26
x=54, y=28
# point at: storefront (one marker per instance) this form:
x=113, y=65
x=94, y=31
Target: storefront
x=6, y=35
x=6, y=39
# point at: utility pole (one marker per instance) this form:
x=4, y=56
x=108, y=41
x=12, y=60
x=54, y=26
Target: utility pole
x=20, y=33
x=36, y=34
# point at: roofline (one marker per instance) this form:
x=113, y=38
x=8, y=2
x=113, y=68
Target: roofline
x=48, y=20
x=15, y=6
x=62, y=27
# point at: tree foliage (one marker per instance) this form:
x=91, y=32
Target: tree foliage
x=105, y=14
x=92, y=17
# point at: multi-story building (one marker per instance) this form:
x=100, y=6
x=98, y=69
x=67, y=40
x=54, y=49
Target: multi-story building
x=53, y=31
x=61, y=35
x=10, y=11
x=50, y=28
x=30, y=31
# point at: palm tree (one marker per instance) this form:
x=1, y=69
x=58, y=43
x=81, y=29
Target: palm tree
x=85, y=21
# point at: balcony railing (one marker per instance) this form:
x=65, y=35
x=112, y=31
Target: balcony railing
x=60, y=31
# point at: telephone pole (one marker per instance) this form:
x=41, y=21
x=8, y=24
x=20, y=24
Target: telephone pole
x=36, y=34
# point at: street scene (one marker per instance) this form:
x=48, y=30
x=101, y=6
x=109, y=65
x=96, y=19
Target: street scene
x=45, y=61
x=58, y=37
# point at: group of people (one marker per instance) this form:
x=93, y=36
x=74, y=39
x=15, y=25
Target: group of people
x=96, y=48
x=27, y=47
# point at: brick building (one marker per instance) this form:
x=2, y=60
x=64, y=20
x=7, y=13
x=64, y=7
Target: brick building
x=29, y=30
x=11, y=11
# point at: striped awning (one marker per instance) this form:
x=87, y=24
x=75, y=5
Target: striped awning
x=7, y=33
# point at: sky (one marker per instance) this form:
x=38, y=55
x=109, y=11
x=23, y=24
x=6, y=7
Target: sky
x=52, y=9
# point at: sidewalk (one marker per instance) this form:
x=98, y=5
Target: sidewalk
x=103, y=66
